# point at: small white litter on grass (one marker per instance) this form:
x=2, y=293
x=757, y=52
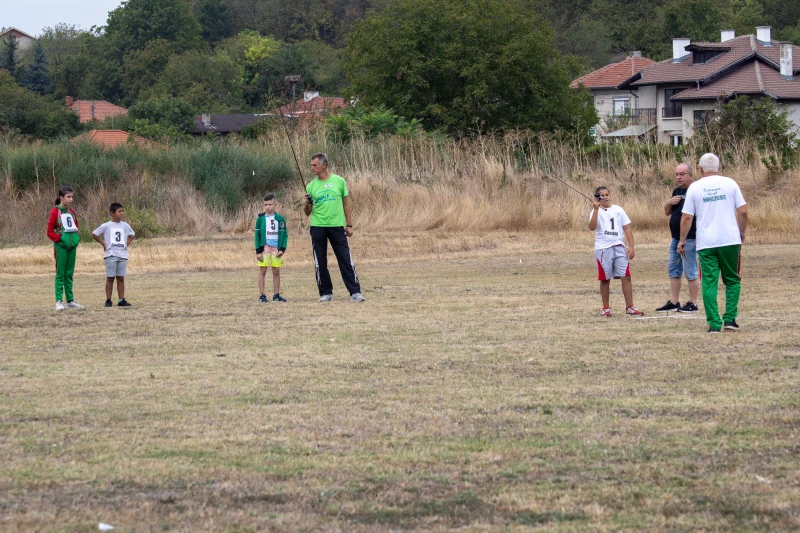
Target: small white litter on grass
x=104, y=527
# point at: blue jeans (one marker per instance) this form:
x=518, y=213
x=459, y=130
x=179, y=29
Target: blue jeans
x=687, y=264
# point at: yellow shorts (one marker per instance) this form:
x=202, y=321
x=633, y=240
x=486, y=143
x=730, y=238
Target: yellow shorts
x=269, y=258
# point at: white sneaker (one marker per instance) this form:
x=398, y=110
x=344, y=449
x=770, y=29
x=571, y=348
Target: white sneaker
x=60, y=306
x=73, y=305
x=357, y=297
x=326, y=298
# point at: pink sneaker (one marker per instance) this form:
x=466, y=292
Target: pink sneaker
x=606, y=311
x=633, y=311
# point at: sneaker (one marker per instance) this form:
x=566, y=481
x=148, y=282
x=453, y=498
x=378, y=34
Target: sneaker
x=669, y=306
x=633, y=311
x=357, y=297
x=278, y=298
x=689, y=307
x=263, y=299
x=109, y=303
x=606, y=311
x=326, y=298
x=73, y=305
x=711, y=330
x=124, y=303
x=60, y=306
x=732, y=326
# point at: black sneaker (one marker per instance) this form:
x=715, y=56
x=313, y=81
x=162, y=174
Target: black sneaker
x=123, y=303
x=263, y=299
x=688, y=307
x=732, y=326
x=669, y=306
x=711, y=330
x=278, y=298
x=109, y=303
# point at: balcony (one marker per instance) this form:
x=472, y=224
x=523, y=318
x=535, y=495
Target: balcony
x=643, y=115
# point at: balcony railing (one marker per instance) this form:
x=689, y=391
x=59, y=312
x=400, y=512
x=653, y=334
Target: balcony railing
x=672, y=112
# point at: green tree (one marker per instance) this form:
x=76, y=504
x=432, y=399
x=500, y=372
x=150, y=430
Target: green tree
x=319, y=64
x=36, y=76
x=65, y=46
x=464, y=65
x=162, y=119
x=743, y=16
x=137, y=22
x=142, y=68
x=10, y=53
x=215, y=20
x=699, y=20
x=756, y=120
x=23, y=111
x=210, y=83
x=587, y=37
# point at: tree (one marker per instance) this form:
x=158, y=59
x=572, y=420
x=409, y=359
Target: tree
x=142, y=68
x=464, y=65
x=162, y=119
x=9, y=54
x=26, y=112
x=753, y=119
x=215, y=20
x=137, y=22
x=587, y=37
x=36, y=76
x=65, y=46
x=699, y=20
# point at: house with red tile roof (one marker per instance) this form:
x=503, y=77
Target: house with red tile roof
x=89, y=110
x=604, y=84
x=312, y=107
x=684, y=88
x=23, y=39
x=112, y=138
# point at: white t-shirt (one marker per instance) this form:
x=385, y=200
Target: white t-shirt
x=609, y=227
x=713, y=201
x=115, y=235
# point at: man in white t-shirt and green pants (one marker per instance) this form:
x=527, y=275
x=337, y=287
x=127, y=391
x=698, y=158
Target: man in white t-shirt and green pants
x=717, y=203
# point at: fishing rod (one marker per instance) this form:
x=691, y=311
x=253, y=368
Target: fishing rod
x=568, y=185
x=288, y=138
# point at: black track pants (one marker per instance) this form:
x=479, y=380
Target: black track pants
x=319, y=240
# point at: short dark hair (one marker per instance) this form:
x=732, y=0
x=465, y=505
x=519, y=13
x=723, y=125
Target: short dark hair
x=321, y=157
x=601, y=188
x=269, y=196
x=115, y=206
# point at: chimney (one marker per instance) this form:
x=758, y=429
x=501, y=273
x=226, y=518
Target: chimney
x=69, y=101
x=787, y=70
x=679, y=45
x=310, y=95
x=727, y=35
x=636, y=53
x=763, y=34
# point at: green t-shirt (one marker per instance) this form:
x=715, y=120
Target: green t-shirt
x=328, y=195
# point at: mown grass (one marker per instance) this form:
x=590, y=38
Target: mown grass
x=477, y=389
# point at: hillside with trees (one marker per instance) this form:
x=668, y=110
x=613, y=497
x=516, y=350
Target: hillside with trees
x=455, y=66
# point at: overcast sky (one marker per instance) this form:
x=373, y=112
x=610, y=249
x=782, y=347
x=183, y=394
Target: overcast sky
x=31, y=16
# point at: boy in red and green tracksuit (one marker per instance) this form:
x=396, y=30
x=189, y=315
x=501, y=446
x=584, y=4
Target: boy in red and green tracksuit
x=62, y=229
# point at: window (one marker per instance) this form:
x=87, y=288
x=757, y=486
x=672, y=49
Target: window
x=704, y=56
x=672, y=109
x=701, y=117
x=677, y=140
x=622, y=106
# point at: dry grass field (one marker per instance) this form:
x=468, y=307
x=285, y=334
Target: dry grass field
x=477, y=389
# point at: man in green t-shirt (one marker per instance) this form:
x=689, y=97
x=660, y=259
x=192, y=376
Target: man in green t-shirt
x=328, y=202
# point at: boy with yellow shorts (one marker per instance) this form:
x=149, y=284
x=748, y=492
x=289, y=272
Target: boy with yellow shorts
x=271, y=239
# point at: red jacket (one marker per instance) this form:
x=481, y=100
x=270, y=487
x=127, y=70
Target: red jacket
x=54, y=225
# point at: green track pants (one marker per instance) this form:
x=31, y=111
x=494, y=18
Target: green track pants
x=65, y=266
x=714, y=262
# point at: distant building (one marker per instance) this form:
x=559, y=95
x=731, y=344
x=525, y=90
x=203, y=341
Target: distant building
x=615, y=104
x=223, y=124
x=312, y=107
x=89, y=110
x=112, y=138
x=23, y=38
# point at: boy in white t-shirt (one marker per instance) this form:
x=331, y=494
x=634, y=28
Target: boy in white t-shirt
x=115, y=236
x=610, y=222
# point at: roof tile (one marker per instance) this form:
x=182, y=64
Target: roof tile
x=612, y=75
x=96, y=109
x=755, y=77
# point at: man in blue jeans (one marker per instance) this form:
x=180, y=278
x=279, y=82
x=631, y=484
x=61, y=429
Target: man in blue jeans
x=681, y=264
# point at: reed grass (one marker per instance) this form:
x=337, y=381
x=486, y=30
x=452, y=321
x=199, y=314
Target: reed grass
x=417, y=183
